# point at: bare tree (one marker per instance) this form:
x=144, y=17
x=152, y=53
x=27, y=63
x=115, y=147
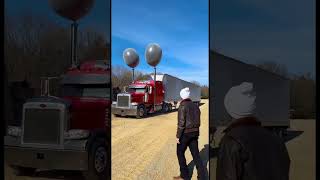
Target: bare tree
x=274, y=67
x=35, y=46
x=122, y=76
x=204, y=92
x=142, y=77
x=195, y=82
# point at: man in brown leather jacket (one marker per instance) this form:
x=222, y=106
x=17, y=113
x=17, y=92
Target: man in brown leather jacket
x=187, y=135
x=248, y=151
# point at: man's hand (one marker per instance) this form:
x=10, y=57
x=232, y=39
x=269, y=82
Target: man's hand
x=178, y=141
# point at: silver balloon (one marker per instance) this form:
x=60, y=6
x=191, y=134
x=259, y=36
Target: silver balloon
x=153, y=54
x=131, y=57
x=71, y=9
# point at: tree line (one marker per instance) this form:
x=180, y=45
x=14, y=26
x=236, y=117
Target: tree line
x=37, y=46
x=302, y=90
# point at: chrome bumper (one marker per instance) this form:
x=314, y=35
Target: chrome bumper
x=46, y=158
x=124, y=111
x=72, y=157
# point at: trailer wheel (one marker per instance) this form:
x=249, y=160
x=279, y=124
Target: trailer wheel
x=170, y=107
x=141, y=111
x=98, y=158
x=165, y=108
x=22, y=171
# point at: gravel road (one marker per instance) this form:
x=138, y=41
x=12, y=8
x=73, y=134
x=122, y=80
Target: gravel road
x=146, y=148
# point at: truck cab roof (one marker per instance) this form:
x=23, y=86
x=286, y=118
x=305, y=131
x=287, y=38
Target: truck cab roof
x=89, y=72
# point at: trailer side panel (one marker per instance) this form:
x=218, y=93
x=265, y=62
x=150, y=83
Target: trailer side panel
x=173, y=86
x=272, y=91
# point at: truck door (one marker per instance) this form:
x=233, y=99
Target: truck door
x=160, y=93
x=89, y=105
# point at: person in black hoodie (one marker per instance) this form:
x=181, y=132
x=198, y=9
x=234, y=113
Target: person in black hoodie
x=187, y=135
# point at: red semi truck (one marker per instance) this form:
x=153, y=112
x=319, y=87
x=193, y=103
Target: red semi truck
x=138, y=100
x=68, y=132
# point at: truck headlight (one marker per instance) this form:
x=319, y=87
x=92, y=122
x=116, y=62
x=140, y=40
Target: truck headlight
x=114, y=102
x=134, y=104
x=76, y=134
x=14, y=131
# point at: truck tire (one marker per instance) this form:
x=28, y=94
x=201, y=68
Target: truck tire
x=22, y=171
x=165, y=108
x=97, y=162
x=141, y=111
x=170, y=107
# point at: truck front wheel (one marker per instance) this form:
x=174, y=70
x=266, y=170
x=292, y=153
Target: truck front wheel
x=97, y=167
x=141, y=111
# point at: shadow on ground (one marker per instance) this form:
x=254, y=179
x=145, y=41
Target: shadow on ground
x=149, y=115
x=156, y=113
x=160, y=113
x=291, y=134
x=204, y=154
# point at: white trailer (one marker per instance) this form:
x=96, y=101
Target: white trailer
x=173, y=85
x=272, y=91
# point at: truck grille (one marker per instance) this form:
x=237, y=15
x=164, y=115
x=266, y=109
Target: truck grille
x=123, y=101
x=42, y=126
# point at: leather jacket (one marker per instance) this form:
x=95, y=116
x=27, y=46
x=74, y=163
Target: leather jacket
x=188, y=117
x=250, y=152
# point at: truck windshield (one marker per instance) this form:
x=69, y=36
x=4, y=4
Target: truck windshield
x=85, y=91
x=137, y=90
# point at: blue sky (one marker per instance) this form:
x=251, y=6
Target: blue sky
x=249, y=30
x=255, y=30
x=180, y=27
x=98, y=17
